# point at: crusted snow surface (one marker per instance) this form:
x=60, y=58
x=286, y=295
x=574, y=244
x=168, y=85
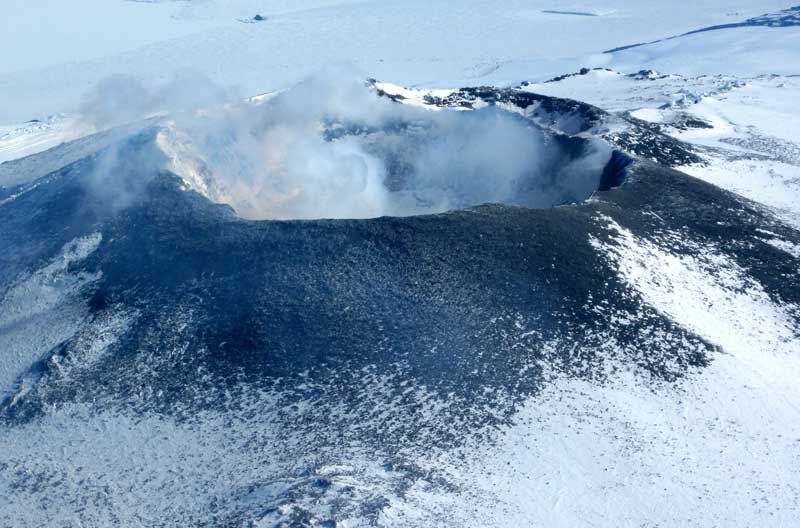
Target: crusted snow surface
x=244, y=466
x=752, y=146
x=40, y=310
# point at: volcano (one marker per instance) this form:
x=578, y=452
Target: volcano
x=525, y=318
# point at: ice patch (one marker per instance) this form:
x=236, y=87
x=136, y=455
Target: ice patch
x=243, y=466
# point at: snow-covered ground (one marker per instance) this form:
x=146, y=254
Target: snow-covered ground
x=37, y=136
x=51, y=56
x=745, y=127
x=719, y=448
x=756, y=141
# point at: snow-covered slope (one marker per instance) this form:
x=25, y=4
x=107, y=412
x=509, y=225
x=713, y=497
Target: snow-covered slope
x=37, y=136
x=741, y=51
x=744, y=128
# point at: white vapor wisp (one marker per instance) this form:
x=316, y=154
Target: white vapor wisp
x=331, y=147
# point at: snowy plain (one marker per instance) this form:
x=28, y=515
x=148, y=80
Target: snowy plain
x=52, y=57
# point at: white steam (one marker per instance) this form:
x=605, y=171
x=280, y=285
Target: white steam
x=332, y=148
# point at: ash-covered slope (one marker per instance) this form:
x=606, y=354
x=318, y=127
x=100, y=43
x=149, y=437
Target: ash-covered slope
x=180, y=365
